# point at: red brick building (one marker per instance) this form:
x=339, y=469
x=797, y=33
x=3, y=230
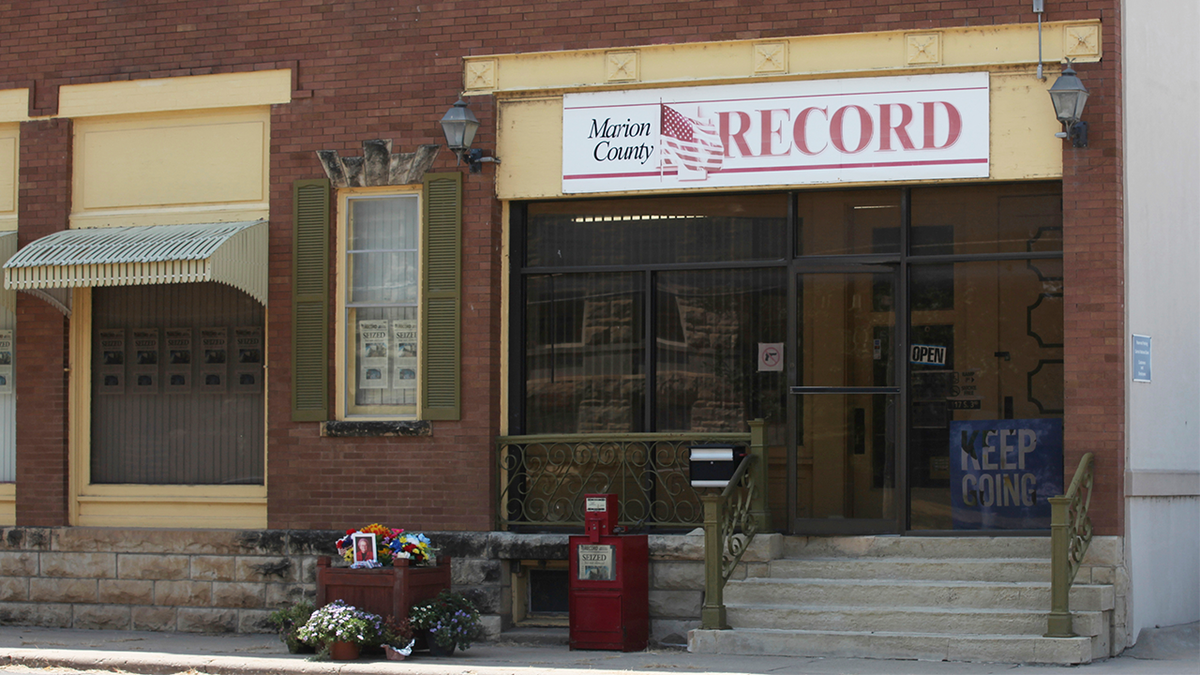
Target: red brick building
x=344, y=318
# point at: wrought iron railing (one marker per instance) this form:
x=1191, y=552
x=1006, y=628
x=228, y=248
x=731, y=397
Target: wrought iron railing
x=730, y=523
x=1070, y=536
x=543, y=478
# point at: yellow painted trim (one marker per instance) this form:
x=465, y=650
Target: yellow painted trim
x=79, y=399
x=232, y=183
x=815, y=56
x=223, y=506
x=226, y=90
x=14, y=105
x=341, y=367
x=10, y=167
x=8, y=504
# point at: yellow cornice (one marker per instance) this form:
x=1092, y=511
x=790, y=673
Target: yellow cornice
x=167, y=94
x=14, y=105
x=995, y=48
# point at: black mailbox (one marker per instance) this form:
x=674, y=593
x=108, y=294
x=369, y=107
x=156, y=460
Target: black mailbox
x=711, y=466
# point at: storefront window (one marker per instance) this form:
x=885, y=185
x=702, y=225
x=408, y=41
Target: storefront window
x=985, y=434
x=177, y=385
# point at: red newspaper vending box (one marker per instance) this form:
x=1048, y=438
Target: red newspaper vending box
x=609, y=590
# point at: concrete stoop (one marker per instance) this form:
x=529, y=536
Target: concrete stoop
x=910, y=598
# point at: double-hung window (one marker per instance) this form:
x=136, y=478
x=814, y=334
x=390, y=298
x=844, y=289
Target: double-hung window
x=381, y=293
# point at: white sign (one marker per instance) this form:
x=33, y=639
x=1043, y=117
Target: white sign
x=778, y=133
x=770, y=357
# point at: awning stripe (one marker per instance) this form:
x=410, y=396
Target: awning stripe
x=231, y=253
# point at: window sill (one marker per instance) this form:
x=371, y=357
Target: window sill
x=350, y=429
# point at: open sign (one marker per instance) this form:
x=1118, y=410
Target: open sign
x=929, y=355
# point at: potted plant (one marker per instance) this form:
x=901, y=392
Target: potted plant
x=398, y=639
x=339, y=631
x=288, y=621
x=449, y=621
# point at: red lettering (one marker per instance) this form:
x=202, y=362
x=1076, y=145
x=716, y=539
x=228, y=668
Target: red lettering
x=886, y=128
x=952, y=134
x=769, y=129
x=799, y=130
x=836, y=128
x=735, y=136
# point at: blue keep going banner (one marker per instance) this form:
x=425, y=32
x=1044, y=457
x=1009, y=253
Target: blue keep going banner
x=1003, y=472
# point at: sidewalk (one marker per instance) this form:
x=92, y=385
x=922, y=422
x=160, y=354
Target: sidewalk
x=1173, y=651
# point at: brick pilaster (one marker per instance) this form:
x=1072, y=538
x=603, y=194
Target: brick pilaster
x=44, y=206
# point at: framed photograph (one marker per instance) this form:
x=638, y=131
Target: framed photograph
x=364, y=547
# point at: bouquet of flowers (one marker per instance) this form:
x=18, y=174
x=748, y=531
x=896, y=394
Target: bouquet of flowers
x=339, y=622
x=390, y=544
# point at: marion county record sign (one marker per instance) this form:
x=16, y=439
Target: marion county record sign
x=916, y=127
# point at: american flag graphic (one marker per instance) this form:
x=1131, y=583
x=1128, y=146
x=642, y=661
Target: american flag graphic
x=692, y=145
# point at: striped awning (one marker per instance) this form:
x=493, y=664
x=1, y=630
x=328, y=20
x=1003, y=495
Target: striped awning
x=230, y=253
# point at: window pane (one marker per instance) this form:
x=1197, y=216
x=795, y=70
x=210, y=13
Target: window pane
x=383, y=277
x=710, y=324
x=657, y=230
x=383, y=361
x=987, y=219
x=848, y=223
x=584, y=353
x=384, y=223
x=998, y=384
x=177, y=396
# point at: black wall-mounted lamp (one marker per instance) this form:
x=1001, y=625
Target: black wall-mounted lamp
x=1069, y=96
x=459, y=125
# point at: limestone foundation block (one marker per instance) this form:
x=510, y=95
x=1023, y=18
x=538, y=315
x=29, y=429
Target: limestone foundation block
x=146, y=566
x=183, y=593
x=78, y=565
x=238, y=595
x=18, y=564
x=153, y=618
x=101, y=617
x=197, y=620
x=214, y=568
x=63, y=590
x=127, y=591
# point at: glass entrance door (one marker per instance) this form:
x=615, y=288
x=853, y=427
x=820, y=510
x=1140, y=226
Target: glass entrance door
x=845, y=399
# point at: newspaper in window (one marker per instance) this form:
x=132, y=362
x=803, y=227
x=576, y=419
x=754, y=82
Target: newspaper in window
x=597, y=562
x=111, y=370
x=214, y=360
x=145, y=361
x=373, y=354
x=404, y=337
x=6, y=361
x=178, y=377
x=248, y=366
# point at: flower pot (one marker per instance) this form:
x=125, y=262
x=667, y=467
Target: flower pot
x=394, y=654
x=343, y=651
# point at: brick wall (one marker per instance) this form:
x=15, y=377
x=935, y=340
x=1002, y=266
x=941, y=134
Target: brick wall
x=390, y=70
x=44, y=204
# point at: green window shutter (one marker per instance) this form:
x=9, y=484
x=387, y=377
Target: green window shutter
x=441, y=277
x=310, y=300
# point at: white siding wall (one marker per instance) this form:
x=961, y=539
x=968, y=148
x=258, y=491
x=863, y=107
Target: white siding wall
x=1162, y=167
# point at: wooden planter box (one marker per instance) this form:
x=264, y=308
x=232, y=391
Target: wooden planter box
x=384, y=590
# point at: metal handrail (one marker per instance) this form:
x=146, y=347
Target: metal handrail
x=1070, y=536
x=542, y=478
x=729, y=528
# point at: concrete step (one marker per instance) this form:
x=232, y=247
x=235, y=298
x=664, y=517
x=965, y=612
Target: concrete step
x=896, y=645
x=957, y=569
x=900, y=619
x=916, y=547
x=911, y=593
